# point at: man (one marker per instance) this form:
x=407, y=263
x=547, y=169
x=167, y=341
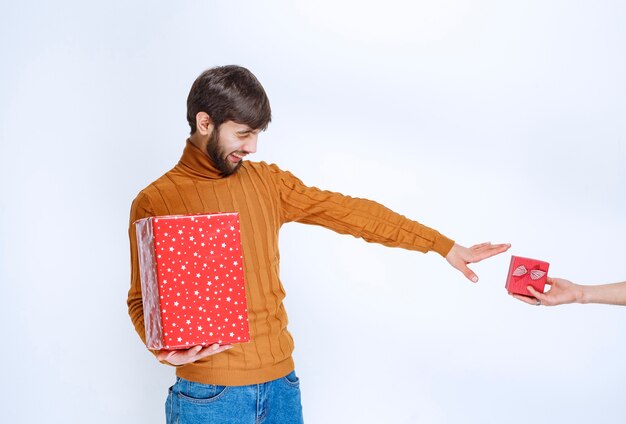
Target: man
x=226, y=109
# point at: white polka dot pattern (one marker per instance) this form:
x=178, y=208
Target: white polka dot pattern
x=197, y=266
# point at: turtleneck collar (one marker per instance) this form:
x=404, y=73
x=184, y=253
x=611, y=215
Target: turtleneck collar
x=196, y=163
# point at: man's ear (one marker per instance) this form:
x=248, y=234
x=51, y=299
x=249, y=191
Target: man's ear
x=204, y=123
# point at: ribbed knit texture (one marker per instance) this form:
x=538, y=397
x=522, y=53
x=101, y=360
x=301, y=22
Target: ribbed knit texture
x=265, y=197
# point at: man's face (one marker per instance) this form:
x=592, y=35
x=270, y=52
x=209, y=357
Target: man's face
x=229, y=144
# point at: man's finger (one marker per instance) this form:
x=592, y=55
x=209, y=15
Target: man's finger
x=489, y=251
x=212, y=350
x=488, y=245
x=183, y=355
x=190, y=353
x=163, y=355
x=179, y=357
x=497, y=248
x=469, y=274
x=208, y=350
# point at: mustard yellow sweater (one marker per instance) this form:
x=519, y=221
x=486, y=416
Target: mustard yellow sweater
x=265, y=197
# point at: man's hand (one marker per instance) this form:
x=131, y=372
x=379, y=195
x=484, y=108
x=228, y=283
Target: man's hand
x=182, y=357
x=460, y=256
x=561, y=292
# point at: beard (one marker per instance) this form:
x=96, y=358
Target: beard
x=219, y=157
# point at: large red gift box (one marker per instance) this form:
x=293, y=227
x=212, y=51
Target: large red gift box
x=524, y=272
x=192, y=280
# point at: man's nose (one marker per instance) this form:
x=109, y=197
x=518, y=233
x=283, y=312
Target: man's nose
x=250, y=144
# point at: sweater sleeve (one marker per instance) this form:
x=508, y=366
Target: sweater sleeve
x=361, y=218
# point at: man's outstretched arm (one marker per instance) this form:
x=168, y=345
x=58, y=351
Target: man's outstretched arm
x=372, y=222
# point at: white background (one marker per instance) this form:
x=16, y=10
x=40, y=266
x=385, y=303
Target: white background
x=488, y=120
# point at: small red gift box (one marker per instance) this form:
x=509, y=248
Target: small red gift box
x=524, y=272
x=192, y=280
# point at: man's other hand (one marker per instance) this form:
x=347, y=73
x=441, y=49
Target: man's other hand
x=187, y=356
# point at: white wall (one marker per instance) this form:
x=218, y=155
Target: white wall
x=487, y=120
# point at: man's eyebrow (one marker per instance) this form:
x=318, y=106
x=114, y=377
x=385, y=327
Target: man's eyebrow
x=247, y=130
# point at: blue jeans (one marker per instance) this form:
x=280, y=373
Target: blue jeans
x=274, y=402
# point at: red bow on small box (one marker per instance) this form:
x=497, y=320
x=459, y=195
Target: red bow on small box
x=524, y=272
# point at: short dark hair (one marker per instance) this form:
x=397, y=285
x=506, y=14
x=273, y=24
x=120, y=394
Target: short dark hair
x=229, y=93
